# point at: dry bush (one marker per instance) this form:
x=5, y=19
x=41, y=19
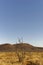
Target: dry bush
x=32, y=63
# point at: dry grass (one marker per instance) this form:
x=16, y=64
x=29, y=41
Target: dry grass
x=11, y=58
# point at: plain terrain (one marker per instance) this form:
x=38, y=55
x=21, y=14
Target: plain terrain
x=20, y=54
x=11, y=58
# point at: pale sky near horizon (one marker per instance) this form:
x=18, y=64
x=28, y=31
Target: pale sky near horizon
x=21, y=18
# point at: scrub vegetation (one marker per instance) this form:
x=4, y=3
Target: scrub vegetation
x=20, y=54
x=11, y=58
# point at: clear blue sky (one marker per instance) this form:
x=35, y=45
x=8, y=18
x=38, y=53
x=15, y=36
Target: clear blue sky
x=21, y=18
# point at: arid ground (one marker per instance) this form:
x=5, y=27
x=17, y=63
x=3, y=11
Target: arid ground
x=11, y=58
x=20, y=54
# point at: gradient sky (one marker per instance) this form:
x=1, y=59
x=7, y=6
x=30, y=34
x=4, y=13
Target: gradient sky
x=21, y=18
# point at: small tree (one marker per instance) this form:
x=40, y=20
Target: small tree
x=22, y=56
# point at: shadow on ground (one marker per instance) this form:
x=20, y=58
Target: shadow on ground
x=32, y=63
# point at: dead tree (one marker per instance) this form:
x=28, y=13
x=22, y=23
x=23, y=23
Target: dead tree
x=20, y=53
